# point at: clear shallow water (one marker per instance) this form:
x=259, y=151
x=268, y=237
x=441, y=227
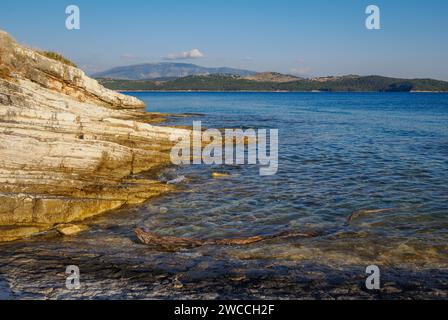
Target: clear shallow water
x=338, y=153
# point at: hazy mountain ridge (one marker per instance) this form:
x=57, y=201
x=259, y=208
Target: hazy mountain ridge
x=166, y=70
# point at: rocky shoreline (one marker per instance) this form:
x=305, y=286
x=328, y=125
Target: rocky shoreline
x=70, y=148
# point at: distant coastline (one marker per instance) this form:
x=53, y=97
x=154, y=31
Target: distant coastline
x=273, y=82
x=278, y=91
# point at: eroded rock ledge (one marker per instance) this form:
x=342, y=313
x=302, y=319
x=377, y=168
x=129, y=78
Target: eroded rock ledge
x=69, y=148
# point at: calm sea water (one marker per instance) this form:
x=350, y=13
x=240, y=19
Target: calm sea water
x=338, y=153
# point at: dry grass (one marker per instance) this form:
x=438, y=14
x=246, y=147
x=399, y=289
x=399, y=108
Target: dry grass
x=58, y=57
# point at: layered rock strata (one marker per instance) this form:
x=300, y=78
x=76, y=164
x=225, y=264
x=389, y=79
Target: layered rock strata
x=69, y=148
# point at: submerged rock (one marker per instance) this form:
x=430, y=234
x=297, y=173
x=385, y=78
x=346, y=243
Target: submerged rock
x=174, y=243
x=177, y=180
x=68, y=146
x=361, y=213
x=218, y=175
x=163, y=210
x=70, y=229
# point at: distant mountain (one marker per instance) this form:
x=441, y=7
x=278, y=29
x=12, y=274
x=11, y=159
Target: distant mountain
x=274, y=82
x=166, y=70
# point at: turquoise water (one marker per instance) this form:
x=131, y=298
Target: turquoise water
x=338, y=153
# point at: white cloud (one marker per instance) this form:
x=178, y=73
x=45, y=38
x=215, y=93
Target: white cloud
x=192, y=54
x=128, y=56
x=300, y=70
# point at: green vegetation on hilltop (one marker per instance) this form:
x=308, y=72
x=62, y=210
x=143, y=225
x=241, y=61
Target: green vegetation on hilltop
x=58, y=57
x=236, y=83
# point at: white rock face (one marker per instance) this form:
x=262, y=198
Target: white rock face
x=68, y=146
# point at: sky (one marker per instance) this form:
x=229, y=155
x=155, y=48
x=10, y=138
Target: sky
x=310, y=38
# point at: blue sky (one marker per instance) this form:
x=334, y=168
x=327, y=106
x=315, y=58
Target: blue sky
x=318, y=37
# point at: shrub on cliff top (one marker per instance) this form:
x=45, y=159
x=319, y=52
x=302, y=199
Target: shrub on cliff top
x=5, y=73
x=58, y=57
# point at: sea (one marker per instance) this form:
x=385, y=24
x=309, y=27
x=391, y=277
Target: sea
x=382, y=156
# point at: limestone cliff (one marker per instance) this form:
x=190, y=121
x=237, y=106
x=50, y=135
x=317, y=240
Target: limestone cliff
x=69, y=148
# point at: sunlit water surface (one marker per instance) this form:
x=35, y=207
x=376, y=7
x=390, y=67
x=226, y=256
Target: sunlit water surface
x=338, y=153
